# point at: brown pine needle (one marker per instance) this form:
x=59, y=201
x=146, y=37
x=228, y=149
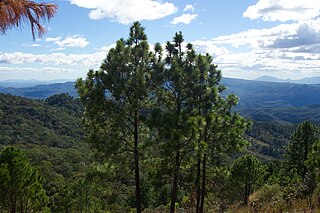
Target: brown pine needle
x=14, y=12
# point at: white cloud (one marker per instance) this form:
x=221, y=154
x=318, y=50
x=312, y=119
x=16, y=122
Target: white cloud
x=58, y=49
x=108, y=47
x=209, y=47
x=53, y=39
x=283, y=10
x=70, y=41
x=286, y=48
x=185, y=18
x=188, y=7
x=126, y=11
x=281, y=36
x=32, y=45
x=35, y=69
x=83, y=60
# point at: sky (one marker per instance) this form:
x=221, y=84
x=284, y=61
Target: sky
x=247, y=38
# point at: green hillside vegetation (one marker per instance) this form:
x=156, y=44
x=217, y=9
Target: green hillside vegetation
x=50, y=132
x=153, y=131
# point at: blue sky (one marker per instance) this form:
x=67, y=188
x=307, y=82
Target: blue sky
x=247, y=39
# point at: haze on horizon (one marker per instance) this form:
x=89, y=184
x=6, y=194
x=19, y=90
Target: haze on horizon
x=247, y=39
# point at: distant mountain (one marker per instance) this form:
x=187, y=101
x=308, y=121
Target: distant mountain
x=251, y=93
x=309, y=80
x=29, y=83
x=42, y=91
x=272, y=94
x=267, y=78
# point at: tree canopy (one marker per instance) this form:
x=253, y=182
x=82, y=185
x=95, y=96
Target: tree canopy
x=21, y=186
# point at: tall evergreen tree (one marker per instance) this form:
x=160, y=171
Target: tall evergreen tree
x=21, y=186
x=116, y=100
x=193, y=119
x=300, y=145
x=246, y=174
x=174, y=116
x=221, y=130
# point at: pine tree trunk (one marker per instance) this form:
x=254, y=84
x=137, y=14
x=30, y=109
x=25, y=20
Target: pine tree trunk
x=136, y=162
x=203, y=189
x=174, y=190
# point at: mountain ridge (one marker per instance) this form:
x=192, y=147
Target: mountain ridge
x=307, y=80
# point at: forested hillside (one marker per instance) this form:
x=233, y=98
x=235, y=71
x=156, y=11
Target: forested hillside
x=50, y=132
x=158, y=131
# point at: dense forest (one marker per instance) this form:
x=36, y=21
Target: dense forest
x=154, y=131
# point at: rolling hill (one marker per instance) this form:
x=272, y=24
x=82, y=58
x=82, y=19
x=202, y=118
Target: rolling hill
x=251, y=93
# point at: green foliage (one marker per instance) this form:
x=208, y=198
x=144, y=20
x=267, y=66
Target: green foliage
x=247, y=173
x=21, y=186
x=116, y=99
x=270, y=138
x=64, y=100
x=313, y=162
x=219, y=189
x=300, y=145
x=27, y=121
x=163, y=134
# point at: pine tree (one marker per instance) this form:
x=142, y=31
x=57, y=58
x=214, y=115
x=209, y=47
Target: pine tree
x=21, y=186
x=220, y=130
x=300, y=145
x=246, y=174
x=117, y=99
x=173, y=118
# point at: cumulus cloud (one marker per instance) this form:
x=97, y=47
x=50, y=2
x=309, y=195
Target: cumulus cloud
x=185, y=18
x=70, y=41
x=305, y=35
x=83, y=60
x=283, y=10
x=281, y=36
x=35, y=69
x=286, y=48
x=188, y=7
x=108, y=47
x=126, y=11
x=209, y=47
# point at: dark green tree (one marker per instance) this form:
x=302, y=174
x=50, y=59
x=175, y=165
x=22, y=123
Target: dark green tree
x=300, y=145
x=313, y=162
x=247, y=172
x=116, y=100
x=193, y=120
x=21, y=186
x=174, y=117
x=221, y=131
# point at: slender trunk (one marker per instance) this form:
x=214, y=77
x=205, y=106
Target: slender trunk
x=204, y=171
x=203, y=189
x=198, y=184
x=174, y=190
x=136, y=161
